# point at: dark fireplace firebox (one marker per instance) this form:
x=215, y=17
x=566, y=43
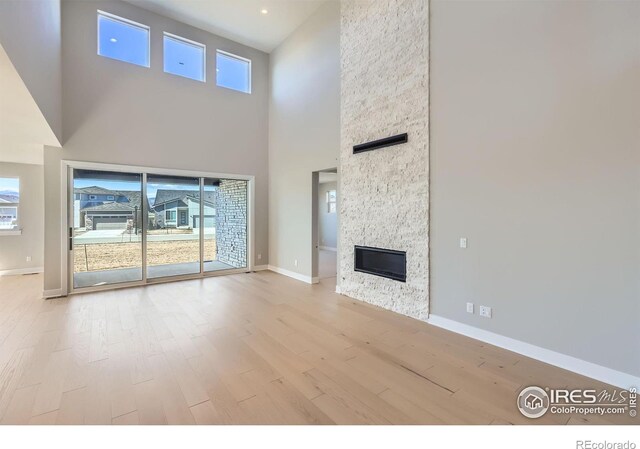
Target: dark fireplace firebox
x=381, y=262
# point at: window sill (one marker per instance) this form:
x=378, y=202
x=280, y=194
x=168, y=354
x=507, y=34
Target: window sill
x=10, y=232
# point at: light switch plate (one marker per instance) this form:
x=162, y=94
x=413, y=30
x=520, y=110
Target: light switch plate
x=469, y=307
x=463, y=242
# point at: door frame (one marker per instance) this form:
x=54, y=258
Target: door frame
x=315, y=226
x=66, y=203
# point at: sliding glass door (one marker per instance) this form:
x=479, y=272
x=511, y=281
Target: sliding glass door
x=173, y=237
x=106, y=230
x=135, y=227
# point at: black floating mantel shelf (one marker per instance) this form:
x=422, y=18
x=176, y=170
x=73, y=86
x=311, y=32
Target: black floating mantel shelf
x=381, y=143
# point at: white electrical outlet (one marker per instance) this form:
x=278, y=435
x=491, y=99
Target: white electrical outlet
x=259, y=256
x=469, y=307
x=463, y=242
x=485, y=311
x=28, y=258
x=295, y=262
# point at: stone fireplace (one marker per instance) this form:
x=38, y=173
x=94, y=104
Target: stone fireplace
x=385, y=193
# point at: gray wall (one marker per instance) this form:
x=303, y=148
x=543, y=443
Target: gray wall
x=121, y=113
x=328, y=223
x=535, y=159
x=304, y=132
x=384, y=194
x=30, y=34
x=14, y=249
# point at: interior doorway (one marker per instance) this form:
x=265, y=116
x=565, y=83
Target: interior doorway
x=325, y=223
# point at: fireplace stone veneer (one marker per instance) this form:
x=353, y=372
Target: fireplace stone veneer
x=384, y=194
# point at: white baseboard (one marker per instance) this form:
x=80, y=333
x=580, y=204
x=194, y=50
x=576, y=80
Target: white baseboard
x=21, y=271
x=56, y=293
x=260, y=267
x=292, y=274
x=329, y=248
x=598, y=372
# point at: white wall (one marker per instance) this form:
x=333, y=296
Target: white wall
x=14, y=249
x=121, y=113
x=30, y=34
x=304, y=132
x=328, y=222
x=23, y=128
x=535, y=138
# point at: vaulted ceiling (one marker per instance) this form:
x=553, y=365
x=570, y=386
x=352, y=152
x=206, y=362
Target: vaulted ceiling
x=243, y=21
x=23, y=128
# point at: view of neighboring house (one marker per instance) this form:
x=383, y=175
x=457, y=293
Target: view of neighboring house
x=181, y=209
x=8, y=209
x=100, y=208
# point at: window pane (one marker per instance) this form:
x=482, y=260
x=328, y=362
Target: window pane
x=173, y=237
x=119, y=39
x=8, y=217
x=184, y=58
x=233, y=72
x=9, y=190
x=107, y=235
x=9, y=199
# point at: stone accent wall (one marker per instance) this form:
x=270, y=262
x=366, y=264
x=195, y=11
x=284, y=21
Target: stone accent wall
x=384, y=194
x=231, y=222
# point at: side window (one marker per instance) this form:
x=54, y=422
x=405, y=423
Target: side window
x=9, y=203
x=331, y=201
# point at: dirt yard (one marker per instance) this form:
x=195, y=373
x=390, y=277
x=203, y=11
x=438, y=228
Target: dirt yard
x=109, y=256
x=170, y=231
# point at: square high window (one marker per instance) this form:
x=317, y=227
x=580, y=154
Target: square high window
x=184, y=57
x=123, y=39
x=233, y=72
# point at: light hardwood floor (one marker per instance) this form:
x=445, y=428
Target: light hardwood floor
x=252, y=348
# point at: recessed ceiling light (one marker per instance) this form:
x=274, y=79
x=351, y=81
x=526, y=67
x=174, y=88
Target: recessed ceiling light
x=113, y=39
x=264, y=11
